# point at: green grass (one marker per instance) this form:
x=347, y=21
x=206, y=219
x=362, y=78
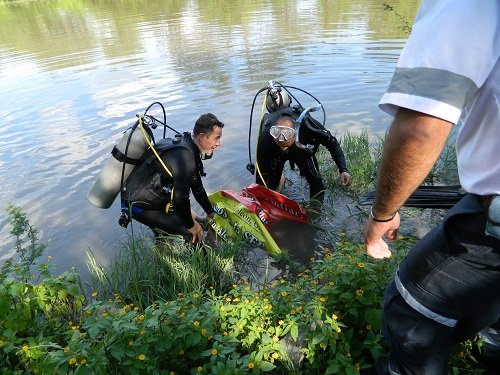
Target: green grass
x=147, y=270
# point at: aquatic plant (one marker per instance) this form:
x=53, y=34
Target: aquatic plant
x=324, y=319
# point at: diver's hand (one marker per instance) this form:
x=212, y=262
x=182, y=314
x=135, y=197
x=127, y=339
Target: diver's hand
x=196, y=231
x=375, y=245
x=345, y=179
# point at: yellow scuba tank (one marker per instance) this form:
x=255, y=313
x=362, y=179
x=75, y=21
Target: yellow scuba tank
x=125, y=155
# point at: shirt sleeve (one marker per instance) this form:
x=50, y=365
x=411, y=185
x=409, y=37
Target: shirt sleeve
x=435, y=74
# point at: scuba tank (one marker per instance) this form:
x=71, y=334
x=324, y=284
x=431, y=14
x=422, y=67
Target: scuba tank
x=124, y=158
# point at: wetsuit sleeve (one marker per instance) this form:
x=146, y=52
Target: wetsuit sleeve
x=200, y=194
x=325, y=138
x=336, y=152
x=182, y=165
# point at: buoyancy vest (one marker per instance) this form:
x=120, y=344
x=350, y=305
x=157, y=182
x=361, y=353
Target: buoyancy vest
x=150, y=185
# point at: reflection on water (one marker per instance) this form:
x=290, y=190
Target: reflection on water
x=73, y=75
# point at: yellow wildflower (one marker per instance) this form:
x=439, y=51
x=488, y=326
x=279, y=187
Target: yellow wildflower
x=275, y=355
x=94, y=294
x=66, y=350
x=83, y=361
x=359, y=292
x=199, y=369
x=141, y=357
x=334, y=317
x=72, y=361
x=251, y=365
x=25, y=348
x=283, y=294
x=203, y=331
x=214, y=351
x=196, y=323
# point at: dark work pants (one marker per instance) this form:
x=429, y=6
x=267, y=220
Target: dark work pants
x=452, y=273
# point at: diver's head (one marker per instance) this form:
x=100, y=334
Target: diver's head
x=277, y=100
x=283, y=132
x=207, y=133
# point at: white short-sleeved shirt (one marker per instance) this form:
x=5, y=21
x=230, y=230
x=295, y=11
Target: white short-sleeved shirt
x=450, y=69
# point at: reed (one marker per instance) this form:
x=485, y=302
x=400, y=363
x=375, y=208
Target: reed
x=146, y=270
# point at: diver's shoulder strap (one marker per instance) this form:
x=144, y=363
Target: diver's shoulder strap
x=121, y=157
x=180, y=140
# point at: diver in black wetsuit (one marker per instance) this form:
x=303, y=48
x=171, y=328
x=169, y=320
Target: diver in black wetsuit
x=278, y=142
x=157, y=192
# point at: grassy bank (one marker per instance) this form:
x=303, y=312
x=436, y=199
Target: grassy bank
x=164, y=308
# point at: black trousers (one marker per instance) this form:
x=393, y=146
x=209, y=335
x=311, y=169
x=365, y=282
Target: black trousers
x=170, y=223
x=446, y=290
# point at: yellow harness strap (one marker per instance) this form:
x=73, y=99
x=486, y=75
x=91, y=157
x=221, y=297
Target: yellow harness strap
x=258, y=137
x=167, y=208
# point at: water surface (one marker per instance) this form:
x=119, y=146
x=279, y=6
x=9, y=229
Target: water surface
x=73, y=74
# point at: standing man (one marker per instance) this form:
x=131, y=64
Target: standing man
x=446, y=289
x=157, y=191
x=282, y=139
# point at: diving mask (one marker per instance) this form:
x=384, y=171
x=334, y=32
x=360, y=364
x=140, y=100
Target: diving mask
x=282, y=133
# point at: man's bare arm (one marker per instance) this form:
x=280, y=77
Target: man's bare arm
x=414, y=143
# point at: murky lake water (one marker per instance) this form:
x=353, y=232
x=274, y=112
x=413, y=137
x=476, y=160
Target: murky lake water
x=73, y=74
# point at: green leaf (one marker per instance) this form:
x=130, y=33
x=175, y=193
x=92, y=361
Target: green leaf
x=374, y=317
x=266, y=366
x=294, y=332
x=351, y=370
x=117, y=352
x=333, y=368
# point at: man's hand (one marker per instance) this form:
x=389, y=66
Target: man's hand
x=196, y=231
x=345, y=179
x=375, y=245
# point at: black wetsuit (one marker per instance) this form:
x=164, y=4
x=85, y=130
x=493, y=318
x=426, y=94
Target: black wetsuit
x=149, y=187
x=271, y=159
